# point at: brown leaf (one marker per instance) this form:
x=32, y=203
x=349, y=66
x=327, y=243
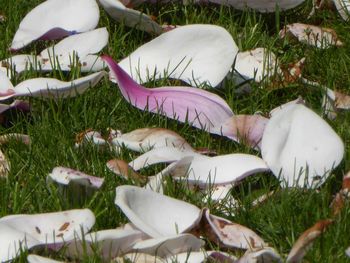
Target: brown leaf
x=342, y=196
x=306, y=239
x=122, y=168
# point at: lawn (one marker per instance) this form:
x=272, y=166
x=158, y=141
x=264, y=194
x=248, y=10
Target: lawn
x=54, y=124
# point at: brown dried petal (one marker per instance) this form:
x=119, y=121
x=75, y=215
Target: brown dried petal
x=122, y=168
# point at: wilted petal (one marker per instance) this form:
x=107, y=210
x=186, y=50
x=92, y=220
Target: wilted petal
x=14, y=136
x=121, y=168
x=49, y=87
x=55, y=19
x=202, y=256
x=256, y=64
x=245, y=128
x=108, y=244
x=81, y=45
x=130, y=17
x=4, y=165
x=229, y=234
x=200, y=108
x=259, y=5
x=90, y=136
x=300, y=146
x=306, y=239
x=155, y=214
x=63, y=175
x=223, y=169
x=169, y=245
x=147, y=138
x=260, y=255
x=193, y=53
x=343, y=7
x=311, y=35
x=39, y=259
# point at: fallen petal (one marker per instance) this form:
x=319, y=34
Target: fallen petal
x=312, y=35
x=202, y=256
x=155, y=214
x=343, y=7
x=122, y=169
x=306, y=239
x=130, y=17
x=200, y=108
x=4, y=165
x=56, y=19
x=39, y=259
x=260, y=255
x=295, y=152
x=193, y=53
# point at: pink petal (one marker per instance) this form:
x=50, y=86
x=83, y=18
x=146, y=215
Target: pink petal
x=200, y=108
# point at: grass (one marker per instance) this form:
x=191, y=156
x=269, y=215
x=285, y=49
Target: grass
x=53, y=126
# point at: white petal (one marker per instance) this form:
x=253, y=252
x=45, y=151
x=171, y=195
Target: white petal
x=18, y=64
x=54, y=19
x=5, y=83
x=260, y=255
x=199, y=257
x=130, y=17
x=300, y=146
x=222, y=169
x=169, y=245
x=343, y=7
x=192, y=53
x=80, y=45
x=39, y=259
x=155, y=214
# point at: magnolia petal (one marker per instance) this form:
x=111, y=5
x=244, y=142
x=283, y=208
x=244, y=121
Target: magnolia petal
x=13, y=241
x=139, y=258
x=343, y=7
x=159, y=155
x=193, y=53
x=5, y=83
x=246, y=128
x=18, y=64
x=292, y=149
x=200, y=108
x=48, y=228
x=312, y=35
x=64, y=52
x=55, y=19
x=90, y=136
x=260, y=255
x=49, y=87
x=130, y=17
x=63, y=175
x=108, y=244
x=342, y=196
x=14, y=136
x=92, y=63
x=122, y=169
x=169, y=245
x=4, y=165
x=256, y=64
x=223, y=169
x=347, y=252
x=276, y=110
x=229, y=234
x=261, y=5
x=19, y=105
x=155, y=214
x=306, y=239
x=40, y=259
x=147, y=138
x=202, y=256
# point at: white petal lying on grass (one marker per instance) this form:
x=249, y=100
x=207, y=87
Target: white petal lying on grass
x=122, y=169
x=63, y=175
x=193, y=53
x=55, y=19
x=300, y=147
x=145, y=139
x=247, y=129
x=202, y=256
x=306, y=239
x=260, y=255
x=347, y=252
x=169, y=245
x=223, y=169
x=39, y=259
x=5, y=82
x=155, y=214
x=256, y=64
x=311, y=35
x=49, y=87
x=343, y=7
x=229, y=234
x=27, y=231
x=81, y=45
x=200, y=108
x=130, y=17
x=24, y=138
x=160, y=155
x=18, y=64
x=259, y=5
x=90, y=136
x=139, y=258
x=107, y=244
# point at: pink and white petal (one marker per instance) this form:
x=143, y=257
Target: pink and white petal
x=295, y=152
x=39, y=259
x=155, y=214
x=200, y=108
x=55, y=19
x=6, y=87
x=130, y=17
x=260, y=255
x=195, y=54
